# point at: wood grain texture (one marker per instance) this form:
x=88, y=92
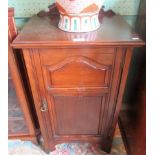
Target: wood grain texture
x=77, y=85
x=132, y=119
x=60, y=125
x=58, y=74
x=12, y=31
x=43, y=32
x=27, y=121
x=37, y=98
x=123, y=78
x=72, y=117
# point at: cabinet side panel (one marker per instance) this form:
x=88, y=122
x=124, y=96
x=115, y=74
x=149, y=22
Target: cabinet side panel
x=125, y=68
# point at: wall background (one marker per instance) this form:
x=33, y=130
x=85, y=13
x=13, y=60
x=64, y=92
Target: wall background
x=24, y=9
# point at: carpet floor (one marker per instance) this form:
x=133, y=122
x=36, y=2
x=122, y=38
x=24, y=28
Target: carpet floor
x=18, y=147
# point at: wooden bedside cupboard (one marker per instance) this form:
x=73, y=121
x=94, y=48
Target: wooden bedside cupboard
x=77, y=79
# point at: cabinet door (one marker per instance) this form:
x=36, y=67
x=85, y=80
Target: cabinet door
x=78, y=87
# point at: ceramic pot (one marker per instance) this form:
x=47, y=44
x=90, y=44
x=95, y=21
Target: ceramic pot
x=79, y=15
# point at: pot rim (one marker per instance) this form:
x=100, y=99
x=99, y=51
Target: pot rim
x=80, y=14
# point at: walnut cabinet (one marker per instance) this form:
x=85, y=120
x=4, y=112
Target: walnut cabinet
x=77, y=79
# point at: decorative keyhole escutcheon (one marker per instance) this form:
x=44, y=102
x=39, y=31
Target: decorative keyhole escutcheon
x=44, y=107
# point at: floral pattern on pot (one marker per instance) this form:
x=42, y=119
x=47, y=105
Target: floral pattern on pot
x=79, y=15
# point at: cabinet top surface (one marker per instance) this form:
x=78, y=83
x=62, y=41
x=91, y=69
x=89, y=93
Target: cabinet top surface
x=44, y=32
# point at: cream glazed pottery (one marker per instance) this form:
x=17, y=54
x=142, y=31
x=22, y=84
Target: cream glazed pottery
x=79, y=15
